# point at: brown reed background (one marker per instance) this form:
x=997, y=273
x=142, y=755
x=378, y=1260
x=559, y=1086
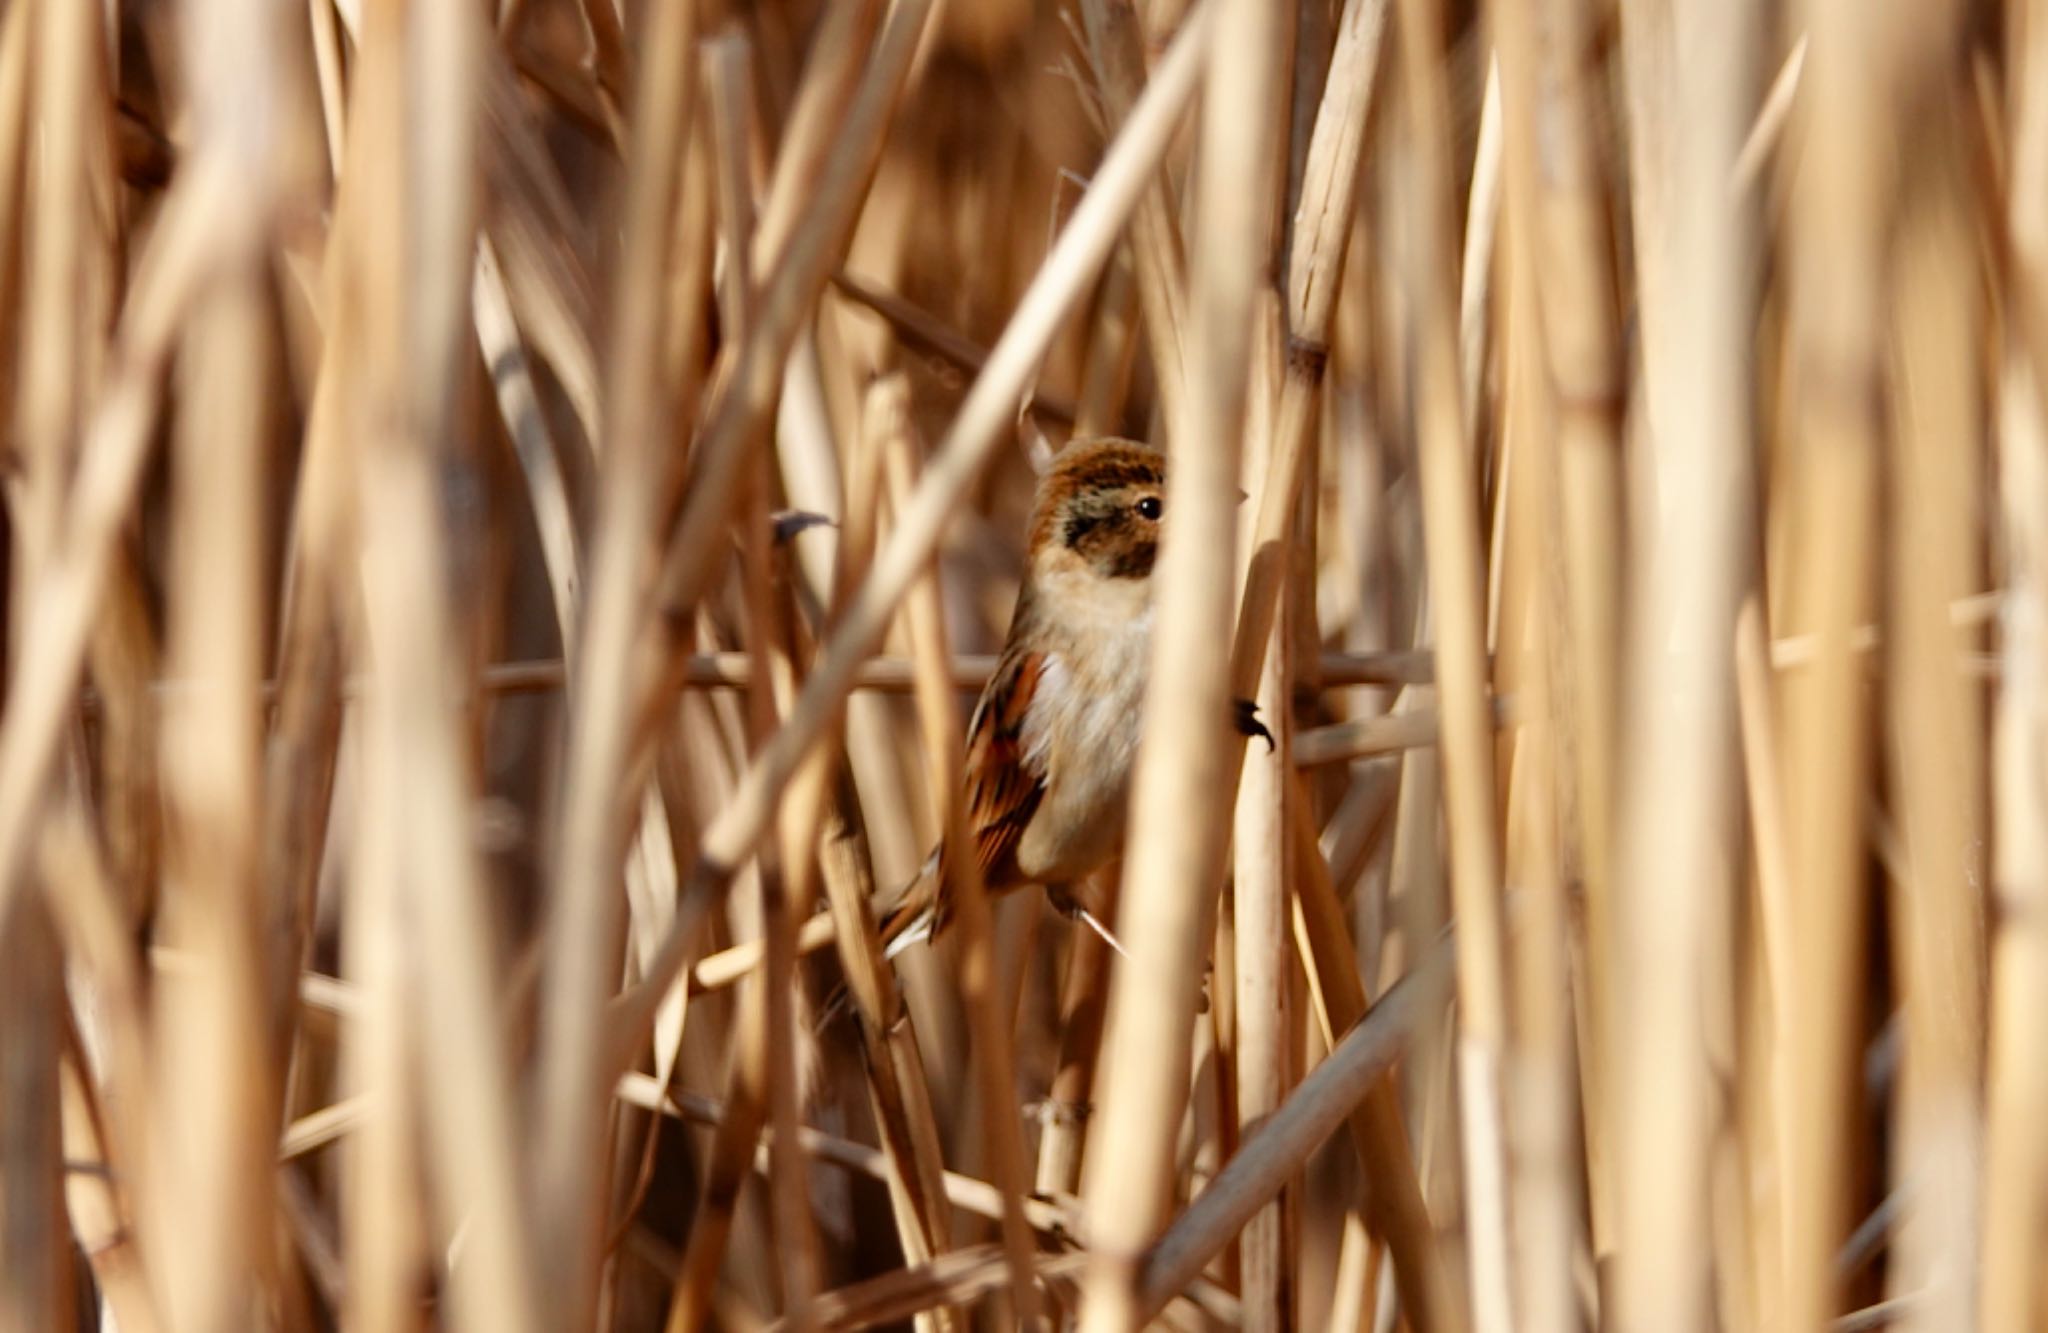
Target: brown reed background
x=446, y=765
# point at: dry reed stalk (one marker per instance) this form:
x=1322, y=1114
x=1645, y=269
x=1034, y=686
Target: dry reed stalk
x=382, y=1222
x=527, y=211
x=1677, y=803
x=1112, y=353
x=539, y=458
x=768, y=609
x=93, y=926
x=17, y=37
x=58, y=255
x=1084, y=1005
x=325, y=28
x=1771, y=119
x=922, y=331
x=1388, y=733
x=2017, y=1093
x=991, y=1019
x=728, y=1163
x=1840, y=198
x=1534, y=640
x=1321, y=228
x=96, y=1207
x=2016, y=1156
x=1765, y=1124
x=36, y=1281
x=1261, y=910
x=1482, y=230
x=959, y=457
x=591, y=836
x=1450, y=528
x=1937, y=719
x=1322, y=225
x=1158, y=262
x=1560, y=199
x=807, y=253
x=1174, y=865
x=306, y=728
x=410, y=250
x=762, y=1078
x=62, y=594
x=898, y=1088
x=218, y=1107
x=1308, y=1116
x=1391, y=1202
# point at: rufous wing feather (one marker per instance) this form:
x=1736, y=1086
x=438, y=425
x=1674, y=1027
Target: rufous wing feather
x=1005, y=782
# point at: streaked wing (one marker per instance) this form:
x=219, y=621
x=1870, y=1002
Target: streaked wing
x=1004, y=781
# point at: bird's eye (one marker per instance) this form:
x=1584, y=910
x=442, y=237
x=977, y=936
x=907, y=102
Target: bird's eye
x=1149, y=507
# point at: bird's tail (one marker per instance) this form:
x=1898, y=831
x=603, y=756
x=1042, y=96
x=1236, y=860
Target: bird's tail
x=916, y=913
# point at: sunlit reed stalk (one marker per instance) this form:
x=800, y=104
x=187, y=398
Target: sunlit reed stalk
x=1173, y=869
x=1838, y=287
x=1937, y=719
x=1451, y=529
x=1677, y=805
x=2017, y=1085
x=218, y=1109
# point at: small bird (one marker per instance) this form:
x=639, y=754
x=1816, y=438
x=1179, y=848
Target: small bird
x=1052, y=741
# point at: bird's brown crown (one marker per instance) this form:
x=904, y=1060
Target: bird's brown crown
x=1101, y=504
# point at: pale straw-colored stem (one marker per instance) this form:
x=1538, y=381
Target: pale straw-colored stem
x=1837, y=235
x=1451, y=533
x=1174, y=866
x=2016, y=1152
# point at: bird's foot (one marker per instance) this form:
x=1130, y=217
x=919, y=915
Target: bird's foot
x=1246, y=716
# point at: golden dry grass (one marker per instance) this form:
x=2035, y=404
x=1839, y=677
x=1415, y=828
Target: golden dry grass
x=444, y=772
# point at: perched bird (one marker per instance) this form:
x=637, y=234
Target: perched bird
x=1052, y=741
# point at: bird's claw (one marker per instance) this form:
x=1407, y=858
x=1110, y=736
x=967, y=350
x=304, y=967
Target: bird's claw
x=1248, y=725
x=785, y=524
